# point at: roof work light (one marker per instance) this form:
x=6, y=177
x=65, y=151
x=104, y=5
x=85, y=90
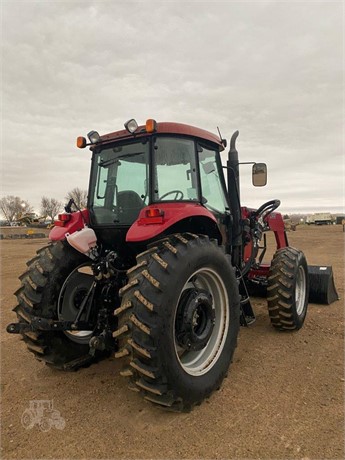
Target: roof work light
x=131, y=126
x=94, y=137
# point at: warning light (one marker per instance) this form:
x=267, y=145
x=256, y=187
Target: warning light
x=81, y=142
x=151, y=125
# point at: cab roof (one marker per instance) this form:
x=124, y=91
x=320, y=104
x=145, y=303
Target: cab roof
x=165, y=128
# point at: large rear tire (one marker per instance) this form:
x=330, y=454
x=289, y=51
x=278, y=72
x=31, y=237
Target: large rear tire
x=178, y=321
x=288, y=289
x=39, y=295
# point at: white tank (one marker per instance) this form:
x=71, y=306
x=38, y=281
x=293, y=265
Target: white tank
x=83, y=240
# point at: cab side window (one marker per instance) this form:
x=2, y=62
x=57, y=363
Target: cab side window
x=212, y=192
x=175, y=170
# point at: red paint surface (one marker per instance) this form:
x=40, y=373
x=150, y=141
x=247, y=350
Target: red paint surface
x=73, y=225
x=262, y=271
x=165, y=128
x=276, y=224
x=144, y=229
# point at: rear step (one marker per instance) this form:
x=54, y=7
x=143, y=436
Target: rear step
x=321, y=285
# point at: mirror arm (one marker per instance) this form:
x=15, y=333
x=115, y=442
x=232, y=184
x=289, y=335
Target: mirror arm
x=244, y=163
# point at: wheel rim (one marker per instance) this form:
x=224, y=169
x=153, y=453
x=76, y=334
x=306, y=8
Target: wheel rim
x=300, y=290
x=199, y=362
x=70, y=298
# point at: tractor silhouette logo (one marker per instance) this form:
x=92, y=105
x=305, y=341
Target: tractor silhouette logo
x=41, y=412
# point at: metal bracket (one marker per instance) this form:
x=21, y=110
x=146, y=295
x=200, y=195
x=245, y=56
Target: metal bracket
x=44, y=324
x=247, y=314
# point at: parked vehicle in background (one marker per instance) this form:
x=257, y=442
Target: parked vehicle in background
x=321, y=218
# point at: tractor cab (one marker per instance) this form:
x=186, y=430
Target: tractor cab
x=174, y=163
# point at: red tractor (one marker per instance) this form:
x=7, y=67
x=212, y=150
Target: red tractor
x=157, y=268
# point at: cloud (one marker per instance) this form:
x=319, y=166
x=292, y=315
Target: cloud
x=273, y=70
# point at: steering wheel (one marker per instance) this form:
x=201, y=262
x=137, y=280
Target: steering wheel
x=257, y=229
x=267, y=208
x=178, y=195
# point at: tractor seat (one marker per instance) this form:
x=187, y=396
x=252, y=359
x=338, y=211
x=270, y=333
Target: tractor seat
x=129, y=204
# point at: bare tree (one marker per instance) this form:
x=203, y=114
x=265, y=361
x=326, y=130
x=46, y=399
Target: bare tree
x=50, y=207
x=79, y=196
x=26, y=208
x=13, y=207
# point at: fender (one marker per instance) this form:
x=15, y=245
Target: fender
x=156, y=218
x=77, y=222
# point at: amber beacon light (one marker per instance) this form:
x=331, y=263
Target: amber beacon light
x=81, y=142
x=151, y=125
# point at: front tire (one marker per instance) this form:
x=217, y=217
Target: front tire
x=178, y=321
x=288, y=289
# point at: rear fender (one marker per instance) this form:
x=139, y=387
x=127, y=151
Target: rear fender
x=176, y=217
x=77, y=222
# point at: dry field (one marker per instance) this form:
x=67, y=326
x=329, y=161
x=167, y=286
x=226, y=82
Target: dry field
x=283, y=398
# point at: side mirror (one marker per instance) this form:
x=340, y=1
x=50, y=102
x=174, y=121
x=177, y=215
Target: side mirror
x=259, y=174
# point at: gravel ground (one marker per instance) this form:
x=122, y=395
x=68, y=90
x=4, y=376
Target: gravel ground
x=283, y=398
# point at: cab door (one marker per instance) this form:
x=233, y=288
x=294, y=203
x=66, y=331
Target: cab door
x=213, y=189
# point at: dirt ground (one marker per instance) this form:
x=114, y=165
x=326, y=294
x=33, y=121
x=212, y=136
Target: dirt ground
x=283, y=398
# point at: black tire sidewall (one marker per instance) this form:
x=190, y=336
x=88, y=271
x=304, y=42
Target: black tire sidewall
x=59, y=341
x=63, y=259
x=299, y=318
x=281, y=289
x=195, y=388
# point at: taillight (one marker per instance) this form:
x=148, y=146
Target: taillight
x=152, y=216
x=154, y=212
x=62, y=219
x=65, y=217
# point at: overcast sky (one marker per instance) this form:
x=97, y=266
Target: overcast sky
x=272, y=70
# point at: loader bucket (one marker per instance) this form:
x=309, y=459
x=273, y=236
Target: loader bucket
x=321, y=285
